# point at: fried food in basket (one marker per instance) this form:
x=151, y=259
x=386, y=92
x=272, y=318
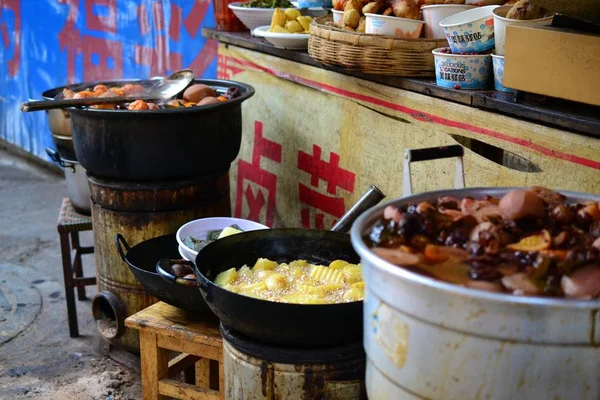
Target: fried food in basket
x=405, y=8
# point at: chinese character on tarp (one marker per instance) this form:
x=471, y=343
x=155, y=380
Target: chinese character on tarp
x=257, y=187
x=226, y=67
x=102, y=58
x=322, y=204
x=10, y=13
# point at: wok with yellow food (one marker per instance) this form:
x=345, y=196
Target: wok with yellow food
x=297, y=288
x=297, y=282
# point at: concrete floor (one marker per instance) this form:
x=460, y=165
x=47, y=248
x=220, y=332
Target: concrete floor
x=38, y=359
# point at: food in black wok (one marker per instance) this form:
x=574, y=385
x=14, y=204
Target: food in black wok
x=529, y=242
x=297, y=282
x=194, y=96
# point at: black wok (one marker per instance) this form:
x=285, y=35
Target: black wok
x=147, y=145
x=282, y=324
x=142, y=259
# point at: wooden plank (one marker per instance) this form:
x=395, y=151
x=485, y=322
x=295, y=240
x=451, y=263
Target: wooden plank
x=203, y=373
x=154, y=366
x=221, y=374
x=166, y=320
x=185, y=391
x=181, y=363
x=197, y=349
x=564, y=114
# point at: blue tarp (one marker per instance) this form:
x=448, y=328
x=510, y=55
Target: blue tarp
x=49, y=43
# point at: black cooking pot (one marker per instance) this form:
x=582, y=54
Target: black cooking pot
x=142, y=259
x=160, y=144
x=59, y=120
x=282, y=324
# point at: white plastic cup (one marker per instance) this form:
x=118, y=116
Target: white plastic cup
x=338, y=16
x=501, y=22
x=393, y=26
x=432, y=15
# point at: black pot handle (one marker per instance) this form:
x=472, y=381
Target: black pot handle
x=120, y=242
x=164, y=266
x=54, y=156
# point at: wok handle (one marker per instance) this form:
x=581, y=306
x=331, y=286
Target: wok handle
x=370, y=198
x=167, y=276
x=54, y=156
x=433, y=153
x=120, y=240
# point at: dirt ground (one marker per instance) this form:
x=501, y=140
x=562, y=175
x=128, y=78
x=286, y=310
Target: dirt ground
x=38, y=359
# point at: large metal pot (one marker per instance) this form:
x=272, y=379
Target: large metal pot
x=160, y=144
x=430, y=339
x=60, y=120
x=78, y=189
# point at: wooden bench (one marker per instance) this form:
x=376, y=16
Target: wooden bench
x=165, y=328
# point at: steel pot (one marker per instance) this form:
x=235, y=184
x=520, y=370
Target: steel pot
x=430, y=339
x=161, y=144
x=78, y=188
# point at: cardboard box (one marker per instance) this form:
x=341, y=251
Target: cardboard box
x=553, y=62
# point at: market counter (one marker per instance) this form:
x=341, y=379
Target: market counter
x=315, y=138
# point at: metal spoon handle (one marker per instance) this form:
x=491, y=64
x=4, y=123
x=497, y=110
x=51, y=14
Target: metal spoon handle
x=370, y=198
x=54, y=104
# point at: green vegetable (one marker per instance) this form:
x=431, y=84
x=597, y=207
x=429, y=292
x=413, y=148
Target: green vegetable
x=211, y=236
x=268, y=4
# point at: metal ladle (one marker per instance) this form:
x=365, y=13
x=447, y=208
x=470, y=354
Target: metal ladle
x=161, y=89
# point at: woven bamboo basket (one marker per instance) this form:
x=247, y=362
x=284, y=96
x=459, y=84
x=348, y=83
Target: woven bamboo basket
x=372, y=54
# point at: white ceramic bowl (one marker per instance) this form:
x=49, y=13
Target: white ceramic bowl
x=432, y=15
x=252, y=17
x=498, y=62
x=200, y=227
x=501, y=22
x=338, y=16
x=470, y=31
x=462, y=71
x=393, y=26
x=291, y=41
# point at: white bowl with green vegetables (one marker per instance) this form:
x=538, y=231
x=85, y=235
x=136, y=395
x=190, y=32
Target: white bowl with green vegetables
x=257, y=12
x=194, y=235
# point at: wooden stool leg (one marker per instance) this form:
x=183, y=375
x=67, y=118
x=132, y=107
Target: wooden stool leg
x=77, y=265
x=221, y=375
x=203, y=373
x=68, y=278
x=155, y=366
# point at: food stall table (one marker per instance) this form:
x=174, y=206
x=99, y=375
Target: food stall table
x=162, y=328
x=316, y=136
x=70, y=223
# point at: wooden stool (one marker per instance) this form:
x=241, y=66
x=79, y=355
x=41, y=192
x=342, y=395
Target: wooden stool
x=70, y=222
x=162, y=328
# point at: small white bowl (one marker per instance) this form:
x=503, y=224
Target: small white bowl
x=462, y=71
x=199, y=228
x=393, y=26
x=432, y=15
x=501, y=22
x=498, y=62
x=291, y=41
x=338, y=16
x=470, y=31
x=252, y=17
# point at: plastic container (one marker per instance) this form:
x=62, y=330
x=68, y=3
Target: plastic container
x=393, y=26
x=225, y=19
x=470, y=31
x=501, y=22
x=498, y=64
x=432, y=15
x=459, y=71
x=338, y=16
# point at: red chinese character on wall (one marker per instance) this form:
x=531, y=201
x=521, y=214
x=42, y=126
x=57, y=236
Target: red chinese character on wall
x=102, y=58
x=13, y=7
x=253, y=182
x=334, y=176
